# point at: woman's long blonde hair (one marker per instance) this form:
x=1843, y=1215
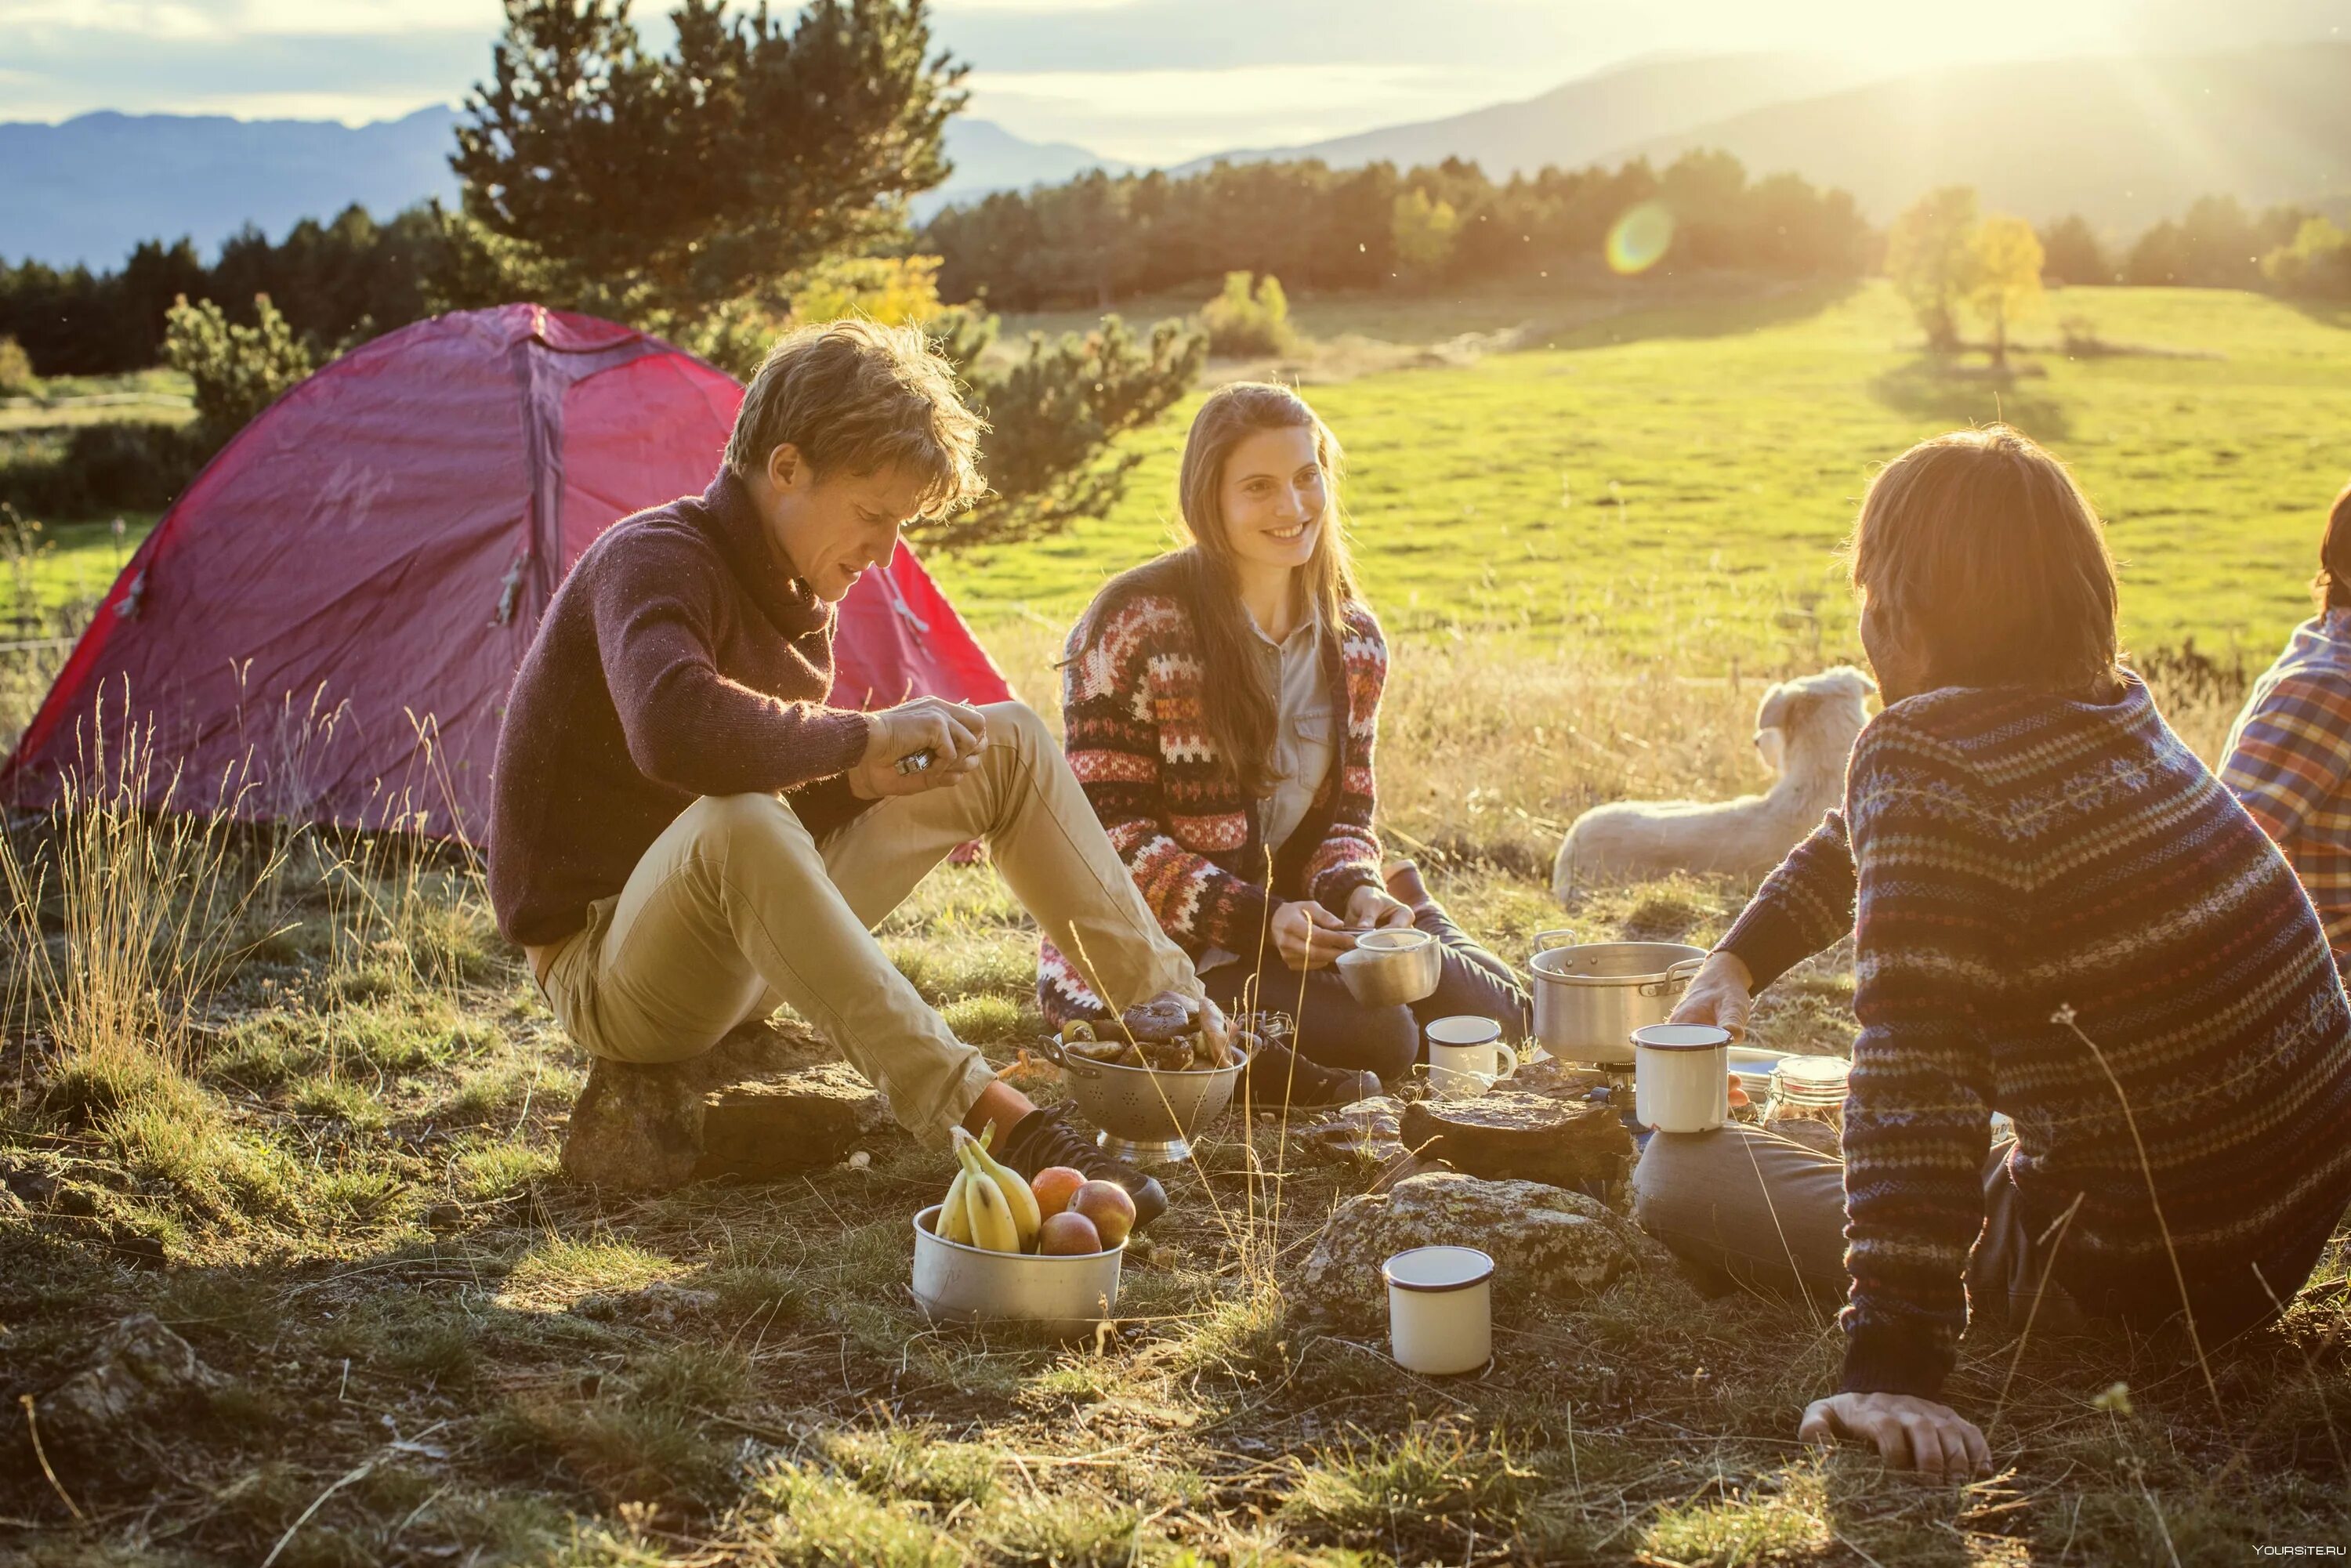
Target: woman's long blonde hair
x=1202, y=578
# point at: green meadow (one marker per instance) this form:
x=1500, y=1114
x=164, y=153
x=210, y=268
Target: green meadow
x=1682, y=477
x=292, y=1093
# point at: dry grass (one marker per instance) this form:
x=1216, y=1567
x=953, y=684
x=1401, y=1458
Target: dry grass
x=347, y=1178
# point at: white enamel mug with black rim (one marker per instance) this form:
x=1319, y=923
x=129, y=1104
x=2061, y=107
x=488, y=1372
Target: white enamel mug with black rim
x=1440, y=1309
x=1466, y=1056
x=1681, y=1077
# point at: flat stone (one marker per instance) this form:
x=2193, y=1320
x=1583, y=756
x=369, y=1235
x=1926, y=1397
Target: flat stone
x=1507, y=1135
x=1551, y=1247
x=650, y=1129
x=1369, y=1132
x=771, y=1128
x=140, y=1371
x=1557, y=1079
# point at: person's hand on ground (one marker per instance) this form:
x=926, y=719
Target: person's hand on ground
x=1911, y=1433
x=1720, y=993
x=1371, y=908
x=1309, y=936
x=952, y=733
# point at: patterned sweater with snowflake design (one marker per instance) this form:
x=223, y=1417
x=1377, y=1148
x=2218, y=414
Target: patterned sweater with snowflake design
x=1133, y=714
x=2060, y=913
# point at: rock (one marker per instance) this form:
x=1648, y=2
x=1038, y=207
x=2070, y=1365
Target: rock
x=636, y=1127
x=1507, y=1135
x=444, y=1216
x=1369, y=1131
x=761, y=1130
x=1557, y=1079
x=1548, y=1245
x=140, y=1370
x=640, y=1128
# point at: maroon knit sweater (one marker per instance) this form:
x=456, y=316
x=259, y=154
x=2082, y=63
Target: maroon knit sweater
x=680, y=658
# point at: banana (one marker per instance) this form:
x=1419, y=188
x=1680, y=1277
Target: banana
x=954, y=1217
x=1027, y=1218
x=992, y=1224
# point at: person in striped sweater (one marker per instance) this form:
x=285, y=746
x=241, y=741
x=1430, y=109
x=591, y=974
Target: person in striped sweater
x=1220, y=706
x=2290, y=751
x=2058, y=914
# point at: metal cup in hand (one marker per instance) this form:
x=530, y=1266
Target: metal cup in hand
x=917, y=761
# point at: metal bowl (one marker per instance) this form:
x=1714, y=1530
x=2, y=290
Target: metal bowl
x=1146, y=1114
x=1392, y=968
x=955, y=1284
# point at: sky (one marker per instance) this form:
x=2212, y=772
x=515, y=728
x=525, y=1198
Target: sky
x=1148, y=81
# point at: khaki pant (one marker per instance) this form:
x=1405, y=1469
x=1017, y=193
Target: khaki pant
x=737, y=908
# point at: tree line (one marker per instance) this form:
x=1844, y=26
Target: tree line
x=2216, y=244
x=1101, y=237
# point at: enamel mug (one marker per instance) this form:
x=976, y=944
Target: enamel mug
x=1440, y=1309
x=1681, y=1076
x=1466, y=1056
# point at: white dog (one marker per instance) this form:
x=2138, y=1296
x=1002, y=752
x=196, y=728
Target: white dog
x=1806, y=729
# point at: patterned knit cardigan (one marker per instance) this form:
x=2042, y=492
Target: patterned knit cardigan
x=2059, y=912
x=1132, y=708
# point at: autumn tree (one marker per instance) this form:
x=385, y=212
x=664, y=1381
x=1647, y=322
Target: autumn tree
x=2004, y=275
x=1422, y=233
x=1929, y=258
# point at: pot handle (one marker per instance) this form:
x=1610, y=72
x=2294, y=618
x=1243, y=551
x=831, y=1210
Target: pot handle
x=1676, y=977
x=1060, y=1057
x=1544, y=943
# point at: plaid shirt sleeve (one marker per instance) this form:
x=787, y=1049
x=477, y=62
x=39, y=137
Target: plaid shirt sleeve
x=2292, y=750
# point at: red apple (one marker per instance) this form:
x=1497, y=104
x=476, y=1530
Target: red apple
x=1069, y=1235
x=1054, y=1187
x=1107, y=1205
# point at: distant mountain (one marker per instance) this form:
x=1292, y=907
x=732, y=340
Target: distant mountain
x=88, y=190
x=1587, y=119
x=91, y=188
x=2122, y=142
x=987, y=157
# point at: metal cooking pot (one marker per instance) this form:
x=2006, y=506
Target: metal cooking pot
x=1589, y=998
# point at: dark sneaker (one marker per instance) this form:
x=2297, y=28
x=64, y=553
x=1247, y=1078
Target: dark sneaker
x=1042, y=1139
x=1277, y=1077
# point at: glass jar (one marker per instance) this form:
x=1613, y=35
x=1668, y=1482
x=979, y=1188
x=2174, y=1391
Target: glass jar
x=1808, y=1102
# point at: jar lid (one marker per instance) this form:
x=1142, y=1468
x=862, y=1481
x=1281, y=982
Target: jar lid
x=1815, y=1071
x=1681, y=1037
x=1463, y=1028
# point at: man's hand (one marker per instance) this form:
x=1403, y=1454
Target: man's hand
x=1911, y=1433
x=950, y=733
x=1371, y=908
x=1309, y=936
x=1718, y=994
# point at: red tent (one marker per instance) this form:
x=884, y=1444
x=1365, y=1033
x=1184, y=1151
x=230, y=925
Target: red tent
x=330, y=616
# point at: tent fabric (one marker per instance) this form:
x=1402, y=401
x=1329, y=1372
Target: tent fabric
x=325, y=624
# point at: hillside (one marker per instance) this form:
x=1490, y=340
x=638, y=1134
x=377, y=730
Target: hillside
x=1583, y=120
x=89, y=189
x=2125, y=142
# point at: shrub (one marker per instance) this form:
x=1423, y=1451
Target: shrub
x=238, y=370
x=16, y=377
x=1241, y=323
